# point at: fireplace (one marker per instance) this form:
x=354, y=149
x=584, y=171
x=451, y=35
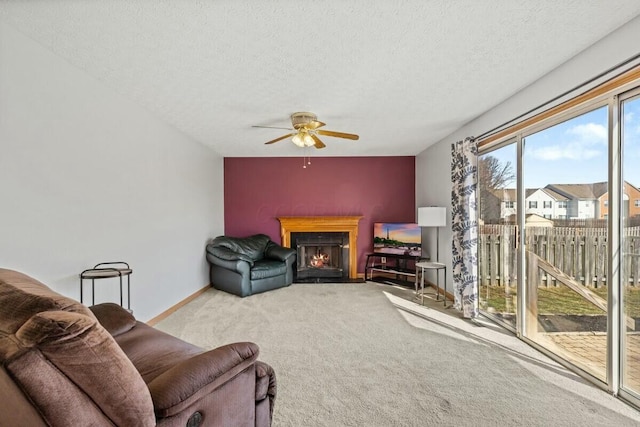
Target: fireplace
x=342, y=249
x=321, y=255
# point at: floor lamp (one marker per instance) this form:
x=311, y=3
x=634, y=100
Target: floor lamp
x=433, y=216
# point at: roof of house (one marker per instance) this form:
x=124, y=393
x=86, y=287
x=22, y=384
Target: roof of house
x=561, y=192
x=509, y=194
x=628, y=184
x=580, y=191
x=555, y=195
x=505, y=194
x=529, y=191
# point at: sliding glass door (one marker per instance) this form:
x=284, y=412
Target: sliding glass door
x=559, y=235
x=497, y=234
x=565, y=169
x=630, y=243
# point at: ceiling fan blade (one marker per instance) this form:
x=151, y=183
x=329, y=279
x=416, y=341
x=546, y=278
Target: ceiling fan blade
x=338, y=134
x=280, y=138
x=318, y=144
x=271, y=127
x=314, y=125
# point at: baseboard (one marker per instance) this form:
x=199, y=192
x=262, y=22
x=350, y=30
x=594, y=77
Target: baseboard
x=175, y=307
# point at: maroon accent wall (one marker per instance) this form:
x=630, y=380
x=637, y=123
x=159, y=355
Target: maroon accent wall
x=258, y=190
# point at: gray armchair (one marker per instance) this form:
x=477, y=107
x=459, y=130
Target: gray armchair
x=250, y=265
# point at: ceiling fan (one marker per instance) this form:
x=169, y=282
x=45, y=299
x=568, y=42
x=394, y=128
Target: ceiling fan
x=306, y=129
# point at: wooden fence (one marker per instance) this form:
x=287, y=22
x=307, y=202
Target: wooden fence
x=579, y=252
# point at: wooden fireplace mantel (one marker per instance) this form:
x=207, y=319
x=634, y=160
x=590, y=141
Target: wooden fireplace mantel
x=341, y=224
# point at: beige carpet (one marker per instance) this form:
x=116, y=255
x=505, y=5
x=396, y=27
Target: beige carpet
x=345, y=355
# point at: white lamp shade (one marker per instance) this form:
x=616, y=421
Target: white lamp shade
x=432, y=216
x=308, y=140
x=298, y=140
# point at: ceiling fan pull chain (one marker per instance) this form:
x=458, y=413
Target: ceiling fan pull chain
x=306, y=159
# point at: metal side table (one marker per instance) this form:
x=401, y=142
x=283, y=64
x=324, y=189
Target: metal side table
x=107, y=270
x=429, y=265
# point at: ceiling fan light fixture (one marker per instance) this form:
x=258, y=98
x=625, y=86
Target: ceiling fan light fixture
x=298, y=139
x=303, y=139
x=306, y=129
x=308, y=140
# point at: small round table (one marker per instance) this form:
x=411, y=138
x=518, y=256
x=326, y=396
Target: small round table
x=429, y=265
x=106, y=270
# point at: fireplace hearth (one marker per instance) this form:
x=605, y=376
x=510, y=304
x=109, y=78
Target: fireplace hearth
x=329, y=247
x=321, y=256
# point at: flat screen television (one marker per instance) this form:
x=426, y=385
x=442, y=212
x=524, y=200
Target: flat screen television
x=402, y=238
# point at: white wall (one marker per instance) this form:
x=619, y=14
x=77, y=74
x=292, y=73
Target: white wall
x=87, y=176
x=433, y=166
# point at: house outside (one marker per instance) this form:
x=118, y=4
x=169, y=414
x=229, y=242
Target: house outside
x=563, y=201
x=508, y=204
x=582, y=199
x=631, y=205
x=545, y=203
x=539, y=201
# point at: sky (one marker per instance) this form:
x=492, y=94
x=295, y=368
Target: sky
x=575, y=151
x=403, y=232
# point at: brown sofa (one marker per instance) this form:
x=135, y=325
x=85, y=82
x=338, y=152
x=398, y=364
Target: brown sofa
x=63, y=364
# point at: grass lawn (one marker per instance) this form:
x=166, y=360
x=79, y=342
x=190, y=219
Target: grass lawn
x=557, y=300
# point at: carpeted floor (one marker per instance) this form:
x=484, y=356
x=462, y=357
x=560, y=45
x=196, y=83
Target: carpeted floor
x=345, y=355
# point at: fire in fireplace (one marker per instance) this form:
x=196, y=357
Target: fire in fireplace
x=321, y=256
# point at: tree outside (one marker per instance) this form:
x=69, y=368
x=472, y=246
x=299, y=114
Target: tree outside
x=494, y=176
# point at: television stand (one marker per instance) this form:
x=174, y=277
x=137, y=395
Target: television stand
x=392, y=264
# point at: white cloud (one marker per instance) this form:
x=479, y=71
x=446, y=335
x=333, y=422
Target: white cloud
x=631, y=141
x=632, y=125
x=570, y=151
x=589, y=134
x=628, y=117
x=581, y=142
x=631, y=132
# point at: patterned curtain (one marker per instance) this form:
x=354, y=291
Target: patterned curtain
x=464, y=218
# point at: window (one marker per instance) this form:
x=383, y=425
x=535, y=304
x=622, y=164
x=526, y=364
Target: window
x=614, y=105
x=548, y=216
x=546, y=205
x=511, y=205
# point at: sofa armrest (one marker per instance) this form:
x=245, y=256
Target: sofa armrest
x=239, y=266
x=190, y=380
x=265, y=384
x=278, y=252
x=115, y=319
x=227, y=254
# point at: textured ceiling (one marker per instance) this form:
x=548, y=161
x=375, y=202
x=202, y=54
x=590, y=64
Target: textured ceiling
x=401, y=74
